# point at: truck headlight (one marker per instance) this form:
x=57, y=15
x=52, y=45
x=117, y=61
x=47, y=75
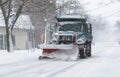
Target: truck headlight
x=54, y=40
x=56, y=33
x=80, y=41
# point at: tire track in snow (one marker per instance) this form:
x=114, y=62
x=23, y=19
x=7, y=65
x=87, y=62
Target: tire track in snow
x=62, y=70
x=71, y=66
x=17, y=71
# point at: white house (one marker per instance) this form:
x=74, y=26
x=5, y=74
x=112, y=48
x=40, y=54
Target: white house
x=20, y=32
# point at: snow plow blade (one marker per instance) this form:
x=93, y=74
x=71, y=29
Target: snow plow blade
x=62, y=46
x=53, y=48
x=63, y=52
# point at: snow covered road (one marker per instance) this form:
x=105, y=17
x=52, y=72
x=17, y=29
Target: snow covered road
x=104, y=63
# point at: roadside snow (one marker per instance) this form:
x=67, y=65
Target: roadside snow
x=18, y=56
x=104, y=62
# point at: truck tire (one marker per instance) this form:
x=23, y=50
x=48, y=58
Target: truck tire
x=88, y=50
x=40, y=57
x=81, y=53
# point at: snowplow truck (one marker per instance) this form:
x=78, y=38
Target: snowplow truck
x=71, y=35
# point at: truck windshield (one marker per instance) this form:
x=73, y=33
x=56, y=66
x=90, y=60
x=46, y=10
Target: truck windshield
x=76, y=27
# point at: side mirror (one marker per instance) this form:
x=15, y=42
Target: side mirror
x=90, y=28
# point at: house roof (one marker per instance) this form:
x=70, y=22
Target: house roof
x=23, y=22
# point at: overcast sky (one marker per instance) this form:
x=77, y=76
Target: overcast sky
x=108, y=9
x=101, y=7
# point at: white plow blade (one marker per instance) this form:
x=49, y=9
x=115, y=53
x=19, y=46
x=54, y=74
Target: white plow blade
x=65, y=52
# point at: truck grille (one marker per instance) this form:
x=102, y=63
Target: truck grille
x=65, y=39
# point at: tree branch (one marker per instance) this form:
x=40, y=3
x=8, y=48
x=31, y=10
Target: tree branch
x=9, y=9
x=17, y=15
x=4, y=13
x=1, y=3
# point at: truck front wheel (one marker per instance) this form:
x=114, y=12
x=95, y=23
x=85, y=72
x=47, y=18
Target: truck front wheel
x=81, y=53
x=88, y=50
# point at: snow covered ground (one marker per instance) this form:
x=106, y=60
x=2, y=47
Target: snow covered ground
x=104, y=63
x=105, y=60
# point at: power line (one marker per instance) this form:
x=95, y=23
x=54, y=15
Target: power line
x=111, y=11
x=99, y=7
x=118, y=11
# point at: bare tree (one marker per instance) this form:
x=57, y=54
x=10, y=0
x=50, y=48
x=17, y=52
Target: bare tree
x=41, y=12
x=69, y=7
x=11, y=12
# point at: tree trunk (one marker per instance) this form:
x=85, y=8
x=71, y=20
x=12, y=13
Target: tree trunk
x=10, y=41
x=7, y=36
x=7, y=41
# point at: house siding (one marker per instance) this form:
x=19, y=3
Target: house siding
x=21, y=37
